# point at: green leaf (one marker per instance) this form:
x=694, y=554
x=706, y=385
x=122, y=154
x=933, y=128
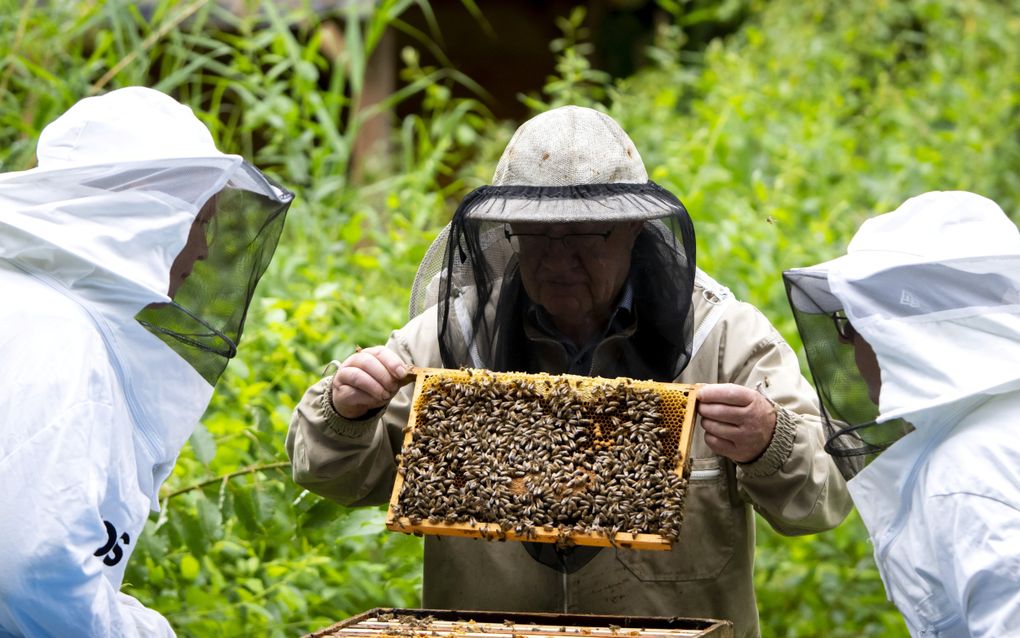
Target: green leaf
x=189, y=567
x=203, y=444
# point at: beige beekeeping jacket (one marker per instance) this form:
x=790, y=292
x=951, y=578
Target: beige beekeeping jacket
x=708, y=574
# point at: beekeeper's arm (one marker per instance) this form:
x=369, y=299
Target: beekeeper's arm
x=352, y=460
x=58, y=493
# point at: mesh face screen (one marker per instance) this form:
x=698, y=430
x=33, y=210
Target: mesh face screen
x=853, y=436
x=204, y=322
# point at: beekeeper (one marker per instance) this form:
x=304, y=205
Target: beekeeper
x=585, y=266
x=128, y=258
x=913, y=338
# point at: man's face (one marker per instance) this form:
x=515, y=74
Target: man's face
x=578, y=276
x=196, y=248
x=867, y=363
x=864, y=357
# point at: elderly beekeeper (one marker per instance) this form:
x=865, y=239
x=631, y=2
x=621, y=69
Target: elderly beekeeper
x=572, y=261
x=913, y=338
x=128, y=258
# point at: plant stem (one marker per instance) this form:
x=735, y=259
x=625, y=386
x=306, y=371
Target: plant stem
x=251, y=469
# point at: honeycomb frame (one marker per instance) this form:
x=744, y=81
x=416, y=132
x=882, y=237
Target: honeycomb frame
x=677, y=413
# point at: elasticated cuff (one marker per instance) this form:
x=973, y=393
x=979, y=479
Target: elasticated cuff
x=341, y=425
x=779, y=448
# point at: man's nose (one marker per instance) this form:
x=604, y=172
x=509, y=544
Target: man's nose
x=560, y=256
x=561, y=246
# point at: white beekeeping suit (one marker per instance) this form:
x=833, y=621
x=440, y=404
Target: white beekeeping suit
x=934, y=288
x=108, y=348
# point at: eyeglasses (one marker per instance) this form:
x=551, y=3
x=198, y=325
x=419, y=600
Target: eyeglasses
x=540, y=242
x=844, y=328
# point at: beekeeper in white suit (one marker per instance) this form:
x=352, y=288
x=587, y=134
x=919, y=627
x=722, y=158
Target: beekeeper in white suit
x=128, y=258
x=913, y=339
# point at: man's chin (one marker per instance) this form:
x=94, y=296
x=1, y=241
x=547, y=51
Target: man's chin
x=567, y=309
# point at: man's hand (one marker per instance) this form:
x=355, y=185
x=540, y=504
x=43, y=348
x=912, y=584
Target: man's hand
x=738, y=421
x=366, y=380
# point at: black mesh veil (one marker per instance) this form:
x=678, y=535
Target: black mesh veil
x=204, y=321
x=853, y=436
x=473, y=261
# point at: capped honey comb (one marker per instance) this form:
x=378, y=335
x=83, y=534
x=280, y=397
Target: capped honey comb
x=550, y=458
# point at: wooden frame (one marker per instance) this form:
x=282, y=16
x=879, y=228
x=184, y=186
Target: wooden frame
x=493, y=531
x=437, y=623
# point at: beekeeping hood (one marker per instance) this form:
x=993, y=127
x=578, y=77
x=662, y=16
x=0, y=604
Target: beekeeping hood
x=120, y=181
x=934, y=288
x=570, y=164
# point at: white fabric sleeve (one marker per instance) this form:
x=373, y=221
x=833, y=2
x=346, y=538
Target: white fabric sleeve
x=980, y=563
x=59, y=485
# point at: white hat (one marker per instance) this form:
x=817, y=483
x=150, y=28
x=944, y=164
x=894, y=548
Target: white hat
x=568, y=146
x=932, y=227
x=127, y=125
x=570, y=164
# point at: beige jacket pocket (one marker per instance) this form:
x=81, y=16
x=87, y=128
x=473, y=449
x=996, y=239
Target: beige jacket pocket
x=708, y=535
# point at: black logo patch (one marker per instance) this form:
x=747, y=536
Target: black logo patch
x=111, y=551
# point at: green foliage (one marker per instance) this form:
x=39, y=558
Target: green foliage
x=576, y=80
x=822, y=585
x=780, y=139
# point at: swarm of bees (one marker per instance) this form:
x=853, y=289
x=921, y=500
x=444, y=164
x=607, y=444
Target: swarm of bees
x=530, y=455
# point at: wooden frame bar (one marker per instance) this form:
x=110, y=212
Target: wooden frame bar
x=436, y=623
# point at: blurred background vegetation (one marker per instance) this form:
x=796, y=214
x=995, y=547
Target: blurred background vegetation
x=781, y=124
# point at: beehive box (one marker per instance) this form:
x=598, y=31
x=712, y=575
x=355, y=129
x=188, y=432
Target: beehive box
x=432, y=623
x=550, y=458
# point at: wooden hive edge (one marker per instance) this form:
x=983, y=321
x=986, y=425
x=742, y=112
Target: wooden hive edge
x=434, y=623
